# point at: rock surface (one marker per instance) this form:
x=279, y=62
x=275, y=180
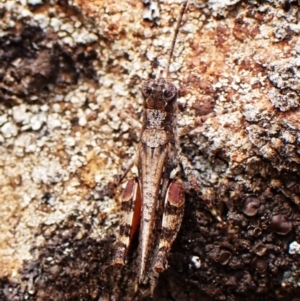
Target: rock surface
x=67, y=70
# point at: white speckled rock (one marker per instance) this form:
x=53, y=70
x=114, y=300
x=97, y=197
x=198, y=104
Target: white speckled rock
x=9, y=129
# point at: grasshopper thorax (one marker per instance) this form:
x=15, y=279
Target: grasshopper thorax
x=159, y=94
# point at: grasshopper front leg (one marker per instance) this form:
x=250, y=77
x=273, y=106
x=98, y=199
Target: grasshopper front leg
x=130, y=217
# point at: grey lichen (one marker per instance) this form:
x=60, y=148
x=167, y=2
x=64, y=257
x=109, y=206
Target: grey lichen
x=285, y=76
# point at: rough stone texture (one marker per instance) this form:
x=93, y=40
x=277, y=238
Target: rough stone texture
x=68, y=68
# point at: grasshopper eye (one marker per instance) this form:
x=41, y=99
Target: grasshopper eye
x=147, y=89
x=170, y=92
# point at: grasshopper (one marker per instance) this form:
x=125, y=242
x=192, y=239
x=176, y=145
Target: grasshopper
x=154, y=200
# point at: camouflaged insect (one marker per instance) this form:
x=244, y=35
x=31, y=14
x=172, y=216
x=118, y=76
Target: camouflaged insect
x=154, y=199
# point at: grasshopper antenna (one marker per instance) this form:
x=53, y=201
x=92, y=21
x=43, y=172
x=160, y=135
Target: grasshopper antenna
x=183, y=8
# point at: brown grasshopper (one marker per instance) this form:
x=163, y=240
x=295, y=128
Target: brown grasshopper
x=155, y=198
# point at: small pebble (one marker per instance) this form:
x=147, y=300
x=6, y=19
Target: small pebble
x=9, y=130
x=294, y=248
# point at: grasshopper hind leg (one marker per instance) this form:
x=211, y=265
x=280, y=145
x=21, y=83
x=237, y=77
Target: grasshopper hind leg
x=130, y=218
x=171, y=221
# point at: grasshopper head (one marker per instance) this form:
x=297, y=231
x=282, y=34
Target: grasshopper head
x=159, y=94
